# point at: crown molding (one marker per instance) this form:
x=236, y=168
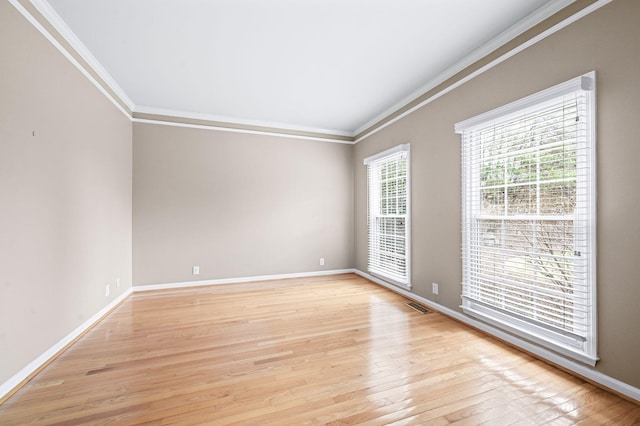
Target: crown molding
x=74, y=42
x=141, y=109
x=211, y=126
x=145, y=114
x=509, y=34
x=46, y=20
x=550, y=19
x=518, y=37
x=33, y=16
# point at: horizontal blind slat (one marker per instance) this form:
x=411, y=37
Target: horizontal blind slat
x=526, y=205
x=387, y=215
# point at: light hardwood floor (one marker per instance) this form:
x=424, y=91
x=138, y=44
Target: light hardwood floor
x=330, y=350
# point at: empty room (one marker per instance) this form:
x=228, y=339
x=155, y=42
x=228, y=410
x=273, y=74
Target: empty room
x=284, y=212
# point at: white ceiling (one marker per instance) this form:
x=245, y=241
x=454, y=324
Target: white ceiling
x=325, y=65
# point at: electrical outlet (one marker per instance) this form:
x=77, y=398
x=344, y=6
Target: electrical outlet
x=107, y=290
x=196, y=270
x=434, y=288
x=322, y=261
x=118, y=282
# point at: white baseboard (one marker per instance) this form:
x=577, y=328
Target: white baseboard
x=582, y=370
x=137, y=288
x=596, y=376
x=34, y=365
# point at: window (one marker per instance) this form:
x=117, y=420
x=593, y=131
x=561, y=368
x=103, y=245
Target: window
x=388, y=214
x=528, y=186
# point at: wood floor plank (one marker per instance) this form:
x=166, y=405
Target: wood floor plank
x=324, y=350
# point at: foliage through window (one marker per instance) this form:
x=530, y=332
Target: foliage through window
x=388, y=214
x=529, y=218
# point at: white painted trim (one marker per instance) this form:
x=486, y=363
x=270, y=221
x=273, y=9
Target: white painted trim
x=605, y=380
x=539, y=15
x=25, y=372
x=373, y=183
x=58, y=23
x=585, y=82
x=67, y=55
x=405, y=147
x=236, y=130
x=577, y=346
x=582, y=13
x=150, y=287
x=509, y=34
x=578, y=368
x=237, y=121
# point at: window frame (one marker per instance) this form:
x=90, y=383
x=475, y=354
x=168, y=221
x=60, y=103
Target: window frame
x=372, y=161
x=583, y=351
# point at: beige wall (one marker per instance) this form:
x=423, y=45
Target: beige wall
x=65, y=195
x=607, y=41
x=243, y=205
x=237, y=205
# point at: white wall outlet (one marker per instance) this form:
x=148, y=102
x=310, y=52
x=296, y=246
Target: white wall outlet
x=118, y=282
x=107, y=290
x=196, y=270
x=322, y=261
x=434, y=288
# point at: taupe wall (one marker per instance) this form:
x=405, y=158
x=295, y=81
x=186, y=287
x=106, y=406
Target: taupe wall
x=243, y=205
x=238, y=205
x=65, y=195
x=607, y=41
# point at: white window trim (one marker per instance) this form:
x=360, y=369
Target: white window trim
x=585, y=82
x=587, y=352
x=374, y=158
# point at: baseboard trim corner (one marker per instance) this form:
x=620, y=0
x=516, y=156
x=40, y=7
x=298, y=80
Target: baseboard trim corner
x=23, y=376
x=609, y=383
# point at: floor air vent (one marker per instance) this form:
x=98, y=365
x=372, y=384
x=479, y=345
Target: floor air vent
x=418, y=308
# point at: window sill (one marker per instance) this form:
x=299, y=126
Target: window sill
x=533, y=335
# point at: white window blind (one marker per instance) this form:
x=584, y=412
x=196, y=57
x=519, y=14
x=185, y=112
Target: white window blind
x=529, y=218
x=388, y=214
